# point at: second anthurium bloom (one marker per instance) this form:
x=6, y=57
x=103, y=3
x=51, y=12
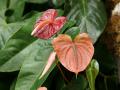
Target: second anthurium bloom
x=48, y=24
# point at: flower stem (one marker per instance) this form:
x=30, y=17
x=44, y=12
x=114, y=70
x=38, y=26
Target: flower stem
x=62, y=73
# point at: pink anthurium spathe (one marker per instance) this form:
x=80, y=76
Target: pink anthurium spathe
x=48, y=24
x=74, y=55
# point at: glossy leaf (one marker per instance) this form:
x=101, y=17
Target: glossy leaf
x=91, y=73
x=7, y=31
x=90, y=16
x=48, y=24
x=34, y=64
x=74, y=55
x=14, y=41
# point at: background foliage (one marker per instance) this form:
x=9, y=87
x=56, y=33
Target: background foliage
x=23, y=57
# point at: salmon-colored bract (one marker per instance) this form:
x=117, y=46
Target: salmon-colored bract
x=48, y=24
x=74, y=55
x=49, y=63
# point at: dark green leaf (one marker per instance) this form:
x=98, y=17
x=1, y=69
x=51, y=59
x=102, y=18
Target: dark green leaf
x=7, y=31
x=91, y=73
x=90, y=16
x=73, y=32
x=67, y=25
x=34, y=64
x=13, y=43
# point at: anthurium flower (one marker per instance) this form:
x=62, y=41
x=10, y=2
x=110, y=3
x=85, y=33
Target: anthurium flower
x=74, y=55
x=48, y=24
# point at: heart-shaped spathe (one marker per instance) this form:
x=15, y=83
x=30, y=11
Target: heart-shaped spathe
x=48, y=24
x=74, y=55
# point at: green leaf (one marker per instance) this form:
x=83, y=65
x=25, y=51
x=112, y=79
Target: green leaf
x=36, y=1
x=67, y=25
x=90, y=16
x=73, y=32
x=11, y=10
x=17, y=6
x=3, y=7
x=14, y=42
x=34, y=64
x=7, y=31
x=58, y=2
x=91, y=73
x=79, y=83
